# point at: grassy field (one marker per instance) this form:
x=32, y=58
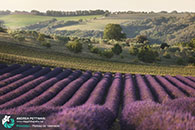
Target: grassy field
x=12, y=53
x=97, y=24
x=16, y=21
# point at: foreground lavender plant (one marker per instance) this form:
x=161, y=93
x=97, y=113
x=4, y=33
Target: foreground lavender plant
x=145, y=93
x=168, y=120
x=171, y=88
x=186, y=80
x=23, y=81
x=54, y=90
x=32, y=111
x=9, y=68
x=19, y=76
x=84, y=91
x=134, y=113
x=23, y=89
x=129, y=90
x=186, y=104
x=181, y=85
x=68, y=91
x=16, y=71
x=87, y=117
x=2, y=66
x=97, y=95
x=162, y=95
x=113, y=98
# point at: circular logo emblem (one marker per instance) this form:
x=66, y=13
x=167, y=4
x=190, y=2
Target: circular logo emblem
x=8, y=122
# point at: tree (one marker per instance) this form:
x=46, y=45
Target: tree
x=163, y=45
x=113, y=31
x=74, y=46
x=117, y=49
x=141, y=39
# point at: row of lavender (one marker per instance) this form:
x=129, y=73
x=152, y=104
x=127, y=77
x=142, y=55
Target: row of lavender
x=98, y=95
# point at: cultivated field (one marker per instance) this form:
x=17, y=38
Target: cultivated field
x=94, y=101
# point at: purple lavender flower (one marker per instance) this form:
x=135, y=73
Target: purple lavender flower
x=168, y=120
x=52, y=91
x=23, y=89
x=9, y=68
x=87, y=117
x=186, y=80
x=14, y=72
x=129, y=90
x=113, y=97
x=19, y=83
x=19, y=76
x=134, y=113
x=179, y=84
x=97, y=95
x=170, y=87
x=186, y=104
x=162, y=95
x=145, y=93
x=68, y=91
x=84, y=91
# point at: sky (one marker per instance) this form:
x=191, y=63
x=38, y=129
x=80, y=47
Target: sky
x=111, y=5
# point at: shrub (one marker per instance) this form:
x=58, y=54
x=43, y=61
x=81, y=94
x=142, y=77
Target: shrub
x=34, y=34
x=166, y=55
x=173, y=49
x=121, y=56
x=74, y=46
x=107, y=53
x=191, y=59
x=95, y=50
x=117, y=49
x=61, y=38
x=3, y=29
x=133, y=50
x=19, y=37
x=146, y=54
x=46, y=44
x=163, y=45
x=180, y=61
x=41, y=37
x=141, y=39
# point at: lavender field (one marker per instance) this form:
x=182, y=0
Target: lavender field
x=85, y=100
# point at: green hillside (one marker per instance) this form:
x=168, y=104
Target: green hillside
x=21, y=20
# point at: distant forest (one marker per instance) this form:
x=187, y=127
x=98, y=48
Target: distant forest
x=81, y=12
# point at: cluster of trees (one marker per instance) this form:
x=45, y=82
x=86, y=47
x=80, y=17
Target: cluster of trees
x=107, y=53
x=70, y=13
x=5, y=12
x=190, y=44
x=20, y=36
x=161, y=29
x=144, y=53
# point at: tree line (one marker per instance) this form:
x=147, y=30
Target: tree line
x=70, y=13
